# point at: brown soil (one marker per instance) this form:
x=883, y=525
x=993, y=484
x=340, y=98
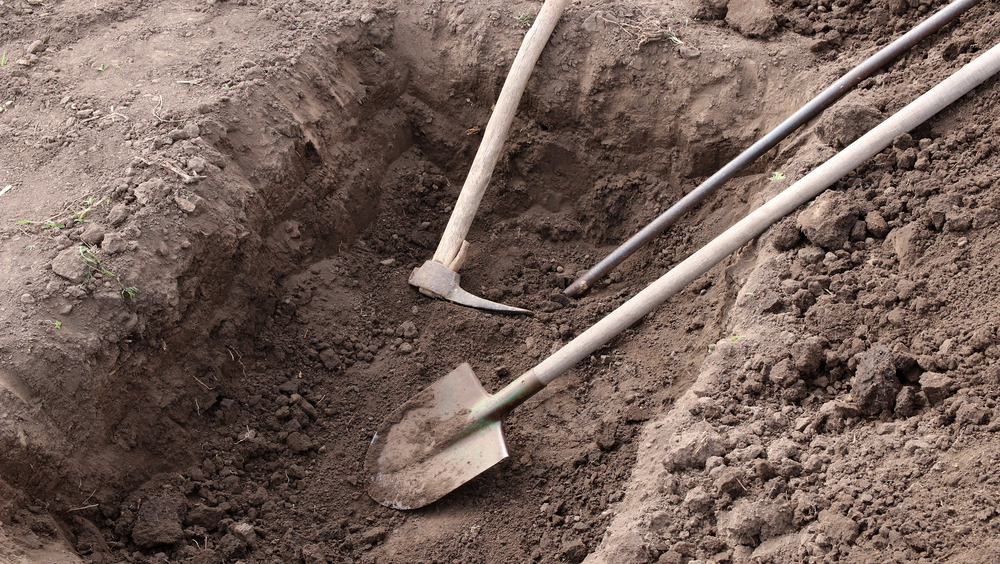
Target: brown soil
x=213, y=208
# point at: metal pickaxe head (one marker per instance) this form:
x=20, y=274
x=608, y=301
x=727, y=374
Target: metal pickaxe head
x=438, y=281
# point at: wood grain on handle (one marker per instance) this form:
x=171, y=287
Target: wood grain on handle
x=496, y=132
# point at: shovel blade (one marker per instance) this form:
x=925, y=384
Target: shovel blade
x=430, y=446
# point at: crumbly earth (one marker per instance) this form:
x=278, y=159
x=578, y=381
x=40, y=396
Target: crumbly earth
x=209, y=210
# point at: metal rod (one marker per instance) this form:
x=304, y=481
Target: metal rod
x=810, y=186
x=766, y=143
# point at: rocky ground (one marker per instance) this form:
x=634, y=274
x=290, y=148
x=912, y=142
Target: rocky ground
x=208, y=212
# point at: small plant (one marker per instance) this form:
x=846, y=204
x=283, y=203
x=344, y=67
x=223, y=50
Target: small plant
x=3, y=59
x=101, y=67
x=92, y=261
x=524, y=20
x=777, y=175
x=78, y=215
x=94, y=264
x=57, y=324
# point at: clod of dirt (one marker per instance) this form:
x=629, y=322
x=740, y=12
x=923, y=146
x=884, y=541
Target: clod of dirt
x=752, y=18
x=828, y=221
x=70, y=265
x=936, y=386
x=751, y=522
x=159, y=521
x=845, y=122
x=692, y=448
x=875, y=384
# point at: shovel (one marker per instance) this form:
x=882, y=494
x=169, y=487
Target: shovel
x=451, y=431
x=439, y=276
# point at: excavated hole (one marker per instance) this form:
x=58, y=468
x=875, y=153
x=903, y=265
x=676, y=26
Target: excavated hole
x=352, y=166
x=349, y=340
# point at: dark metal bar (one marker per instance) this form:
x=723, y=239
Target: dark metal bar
x=769, y=141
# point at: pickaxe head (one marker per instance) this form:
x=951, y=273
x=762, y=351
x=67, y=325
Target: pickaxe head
x=438, y=281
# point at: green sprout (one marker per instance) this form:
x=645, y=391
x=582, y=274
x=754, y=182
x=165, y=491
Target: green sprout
x=777, y=175
x=3, y=59
x=524, y=20
x=58, y=324
x=94, y=264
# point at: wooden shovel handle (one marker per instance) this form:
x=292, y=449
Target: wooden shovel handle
x=810, y=186
x=496, y=132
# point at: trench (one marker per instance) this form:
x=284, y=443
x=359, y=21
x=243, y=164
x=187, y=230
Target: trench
x=351, y=167
x=378, y=163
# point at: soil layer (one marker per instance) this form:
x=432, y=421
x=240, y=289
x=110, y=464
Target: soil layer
x=209, y=211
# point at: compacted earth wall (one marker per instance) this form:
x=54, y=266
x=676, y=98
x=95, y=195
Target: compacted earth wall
x=209, y=210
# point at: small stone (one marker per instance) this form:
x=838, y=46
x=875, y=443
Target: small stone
x=406, y=348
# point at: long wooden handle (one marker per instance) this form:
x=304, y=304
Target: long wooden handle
x=496, y=132
x=811, y=185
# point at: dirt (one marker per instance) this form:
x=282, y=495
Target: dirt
x=209, y=211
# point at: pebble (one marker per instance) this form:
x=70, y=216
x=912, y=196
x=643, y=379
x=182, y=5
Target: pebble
x=407, y=329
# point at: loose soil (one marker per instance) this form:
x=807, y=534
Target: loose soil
x=209, y=210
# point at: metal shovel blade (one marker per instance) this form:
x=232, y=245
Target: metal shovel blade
x=431, y=446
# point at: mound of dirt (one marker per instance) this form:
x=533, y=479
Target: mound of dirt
x=209, y=210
